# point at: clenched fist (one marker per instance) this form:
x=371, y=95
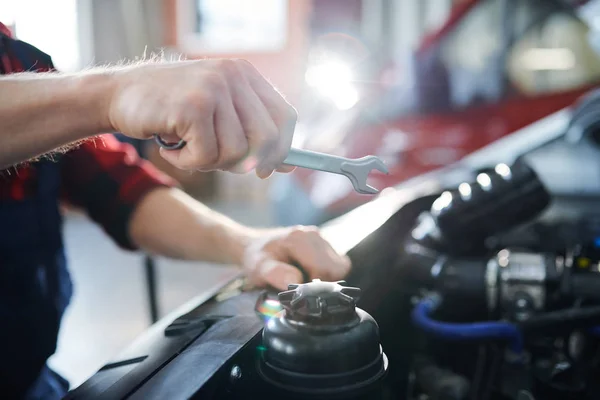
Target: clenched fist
x=231, y=117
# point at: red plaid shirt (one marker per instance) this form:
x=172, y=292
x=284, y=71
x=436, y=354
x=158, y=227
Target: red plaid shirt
x=104, y=176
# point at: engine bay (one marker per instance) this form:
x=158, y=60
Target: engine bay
x=480, y=283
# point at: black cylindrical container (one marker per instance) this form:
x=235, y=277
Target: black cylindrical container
x=321, y=346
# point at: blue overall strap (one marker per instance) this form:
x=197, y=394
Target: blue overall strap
x=35, y=289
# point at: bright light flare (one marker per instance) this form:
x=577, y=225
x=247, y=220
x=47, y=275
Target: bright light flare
x=335, y=72
x=333, y=79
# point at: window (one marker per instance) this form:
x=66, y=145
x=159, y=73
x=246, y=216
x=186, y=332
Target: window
x=555, y=54
x=527, y=46
x=471, y=53
x=51, y=26
x=8, y=11
x=238, y=26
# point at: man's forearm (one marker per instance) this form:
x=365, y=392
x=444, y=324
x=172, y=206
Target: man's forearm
x=40, y=112
x=171, y=223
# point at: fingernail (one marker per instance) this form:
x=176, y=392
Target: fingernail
x=264, y=173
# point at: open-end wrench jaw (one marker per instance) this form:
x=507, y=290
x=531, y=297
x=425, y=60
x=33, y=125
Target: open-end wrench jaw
x=358, y=170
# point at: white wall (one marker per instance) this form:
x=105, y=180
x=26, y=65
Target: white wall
x=125, y=29
x=40, y=28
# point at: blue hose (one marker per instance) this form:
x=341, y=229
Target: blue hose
x=595, y=331
x=464, y=331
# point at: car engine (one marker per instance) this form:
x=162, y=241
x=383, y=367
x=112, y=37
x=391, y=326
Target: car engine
x=487, y=288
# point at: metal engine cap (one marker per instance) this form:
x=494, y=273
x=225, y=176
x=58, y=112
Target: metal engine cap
x=319, y=300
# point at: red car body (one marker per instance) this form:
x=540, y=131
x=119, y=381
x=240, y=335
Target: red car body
x=420, y=139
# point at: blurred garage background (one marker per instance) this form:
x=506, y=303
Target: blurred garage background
x=420, y=83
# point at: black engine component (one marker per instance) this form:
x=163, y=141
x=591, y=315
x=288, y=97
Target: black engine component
x=439, y=383
x=535, y=305
x=460, y=220
x=322, y=346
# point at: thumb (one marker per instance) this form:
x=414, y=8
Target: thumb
x=279, y=275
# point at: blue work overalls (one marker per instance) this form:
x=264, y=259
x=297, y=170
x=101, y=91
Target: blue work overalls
x=35, y=288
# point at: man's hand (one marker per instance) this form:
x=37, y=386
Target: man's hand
x=231, y=117
x=268, y=260
x=171, y=223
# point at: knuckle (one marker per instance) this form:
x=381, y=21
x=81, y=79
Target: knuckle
x=292, y=113
x=214, y=81
x=244, y=64
x=296, y=232
x=286, y=116
x=229, y=67
x=314, y=235
x=183, y=113
x=313, y=230
x=195, y=103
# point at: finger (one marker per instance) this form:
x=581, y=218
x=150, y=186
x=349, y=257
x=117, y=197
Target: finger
x=278, y=274
x=316, y=256
x=286, y=168
x=232, y=142
x=260, y=130
x=345, y=267
x=329, y=262
x=195, y=125
x=283, y=113
x=200, y=153
x=340, y=263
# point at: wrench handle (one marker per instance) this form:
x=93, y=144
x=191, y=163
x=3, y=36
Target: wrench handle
x=314, y=160
x=296, y=157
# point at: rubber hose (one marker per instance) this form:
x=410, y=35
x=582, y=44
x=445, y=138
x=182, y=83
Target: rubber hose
x=464, y=331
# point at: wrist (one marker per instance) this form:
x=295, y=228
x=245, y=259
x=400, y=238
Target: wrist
x=94, y=93
x=234, y=241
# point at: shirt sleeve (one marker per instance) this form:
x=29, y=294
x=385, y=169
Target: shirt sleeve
x=108, y=179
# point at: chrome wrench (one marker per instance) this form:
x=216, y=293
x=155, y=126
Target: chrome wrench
x=355, y=169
